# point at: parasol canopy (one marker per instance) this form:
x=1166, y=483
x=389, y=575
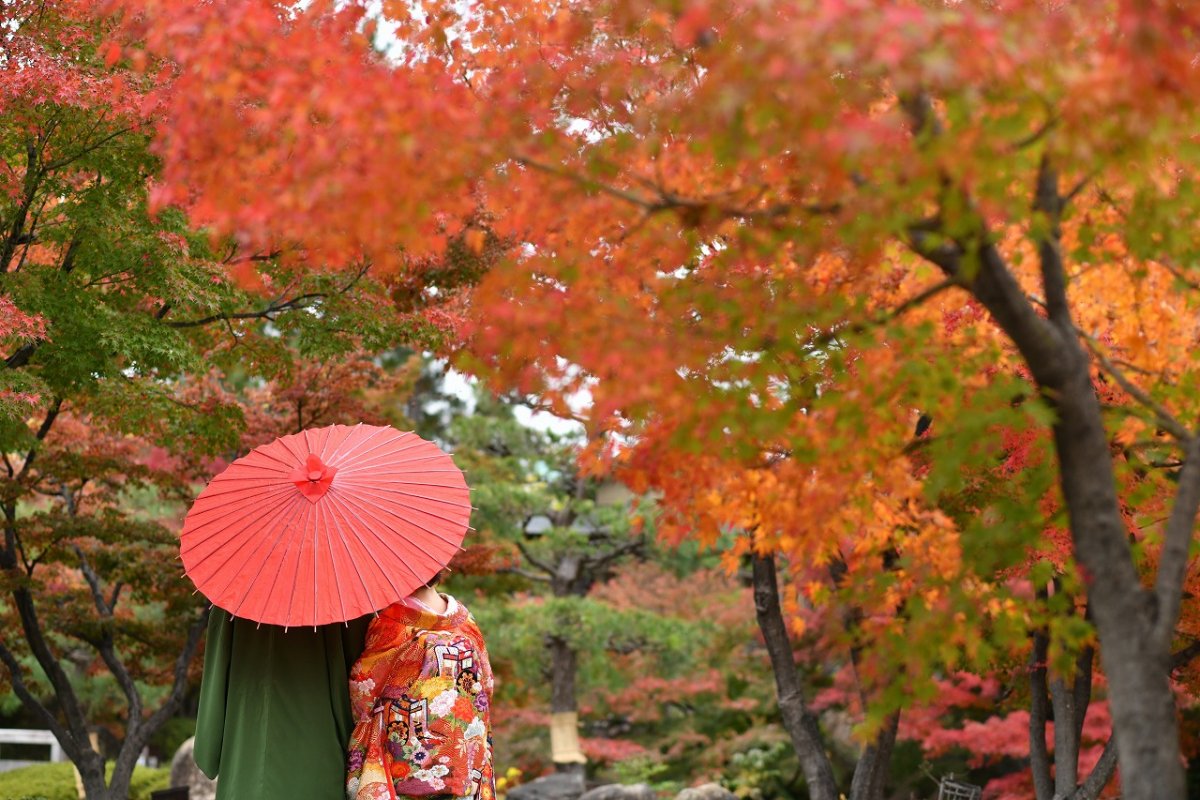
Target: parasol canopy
x=325, y=525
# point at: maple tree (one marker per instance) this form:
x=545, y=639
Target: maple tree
x=750, y=226
x=134, y=368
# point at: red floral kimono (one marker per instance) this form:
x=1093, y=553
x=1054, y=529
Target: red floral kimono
x=421, y=695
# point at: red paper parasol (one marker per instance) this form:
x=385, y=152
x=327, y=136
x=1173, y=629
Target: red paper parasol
x=325, y=525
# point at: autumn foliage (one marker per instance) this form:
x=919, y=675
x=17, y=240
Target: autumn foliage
x=770, y=241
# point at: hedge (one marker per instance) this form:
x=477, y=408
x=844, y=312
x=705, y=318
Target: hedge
x=57, y=782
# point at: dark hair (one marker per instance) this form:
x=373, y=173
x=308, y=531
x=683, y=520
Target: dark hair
x=437, y=578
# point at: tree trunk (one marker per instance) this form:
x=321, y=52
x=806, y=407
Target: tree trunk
x=799, y=722
x=562, y=691
x=91, y=775
x=871, y=772
x=1137, y=666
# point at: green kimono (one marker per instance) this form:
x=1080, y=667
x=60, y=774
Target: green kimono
x=274, y=717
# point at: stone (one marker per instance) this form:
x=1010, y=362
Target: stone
x=558, y=786
x=707, y=791
x=184, y=772
x=618, y=791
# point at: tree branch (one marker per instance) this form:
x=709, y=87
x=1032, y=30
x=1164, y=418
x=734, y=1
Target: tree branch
x=1177, y=542
x=524, y=573
x=107, y=647
x=1048, y=203
x=75, y=156
x=34, y=705
x=1084, y=665
x=179, y=682
x=1066, y=745
x=1039, y=755
x=612, y=555
x=36, y=638
x=274, y=307
x=42, y=432
x=1181, y=658
x=871, y=771
x=665, y=200
x=1100, y=775
x=1162, y=416
x=543, y=566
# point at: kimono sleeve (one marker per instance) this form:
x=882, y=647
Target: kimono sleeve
x=214, y=686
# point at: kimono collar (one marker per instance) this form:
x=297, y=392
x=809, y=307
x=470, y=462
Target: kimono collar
x=416, y=615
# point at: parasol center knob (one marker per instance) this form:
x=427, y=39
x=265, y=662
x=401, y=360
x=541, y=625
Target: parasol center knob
x=314, y=478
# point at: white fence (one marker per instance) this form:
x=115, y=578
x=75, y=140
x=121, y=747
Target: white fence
x=34, y=737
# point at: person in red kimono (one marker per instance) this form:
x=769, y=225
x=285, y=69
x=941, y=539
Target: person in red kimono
x=421, y=699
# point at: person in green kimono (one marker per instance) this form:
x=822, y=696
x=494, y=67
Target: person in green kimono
x=274, y=717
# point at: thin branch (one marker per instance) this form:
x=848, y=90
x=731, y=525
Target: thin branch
x=35, y=706
x=543, y=566
x=824, y=338
x=43, y=430
x=614, y=554
x=1181, y=658
x=271, y=309
x=107, y=647
x=1177, y=542
x=1039, y=755
x=75, y=156
x=524, y=573
x=268, y=312
x=1100, y=775
x=179, y=683
x=1048, y=202
x=1084, y=666
x=1043, y=130
x=665, y=200
x=1163, y=417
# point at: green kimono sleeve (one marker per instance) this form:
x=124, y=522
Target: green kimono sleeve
x=210, y=718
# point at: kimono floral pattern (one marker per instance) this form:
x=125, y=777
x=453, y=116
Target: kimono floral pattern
x=421, y=696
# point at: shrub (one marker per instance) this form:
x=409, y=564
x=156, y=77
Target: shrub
x=57, y=782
